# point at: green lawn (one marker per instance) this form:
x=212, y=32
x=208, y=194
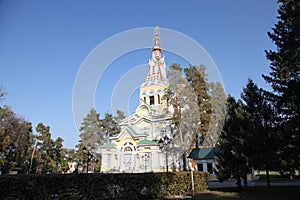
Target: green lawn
x=253, y=193
x=275, y=176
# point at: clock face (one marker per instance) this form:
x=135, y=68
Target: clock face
x=156, y=53
x=144, y=111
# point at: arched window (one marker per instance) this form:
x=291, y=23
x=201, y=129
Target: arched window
x=126, y=149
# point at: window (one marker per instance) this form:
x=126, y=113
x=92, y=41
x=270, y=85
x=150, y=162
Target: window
x=127, y=149
x=200, y=167
x=210, y=168
x=144, y=99
x=158, y=99
x=151, y=100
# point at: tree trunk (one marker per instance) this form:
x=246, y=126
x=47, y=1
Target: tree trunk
x=268, y=179
x=239, y=182
x=245, y=180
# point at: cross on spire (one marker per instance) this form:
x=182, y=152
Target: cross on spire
x=156, y=45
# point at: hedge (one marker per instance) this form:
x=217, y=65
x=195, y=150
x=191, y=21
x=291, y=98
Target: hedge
x=100, y=186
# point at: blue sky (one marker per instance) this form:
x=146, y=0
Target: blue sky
x=44, y=43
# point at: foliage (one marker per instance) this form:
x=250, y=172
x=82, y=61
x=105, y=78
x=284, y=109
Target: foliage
x=14, y=130
x=261, y=139
x=197, y=77
x=47, y=154
x=94, y=132
x=33, y=153
x=109, y=125
x=218, y=112
x=198, y=107
x=264, y=133
x=180, y=99
x=90, y=129
x=100, y=186
x=231, y=149
x=2, y=93
x=284, y=78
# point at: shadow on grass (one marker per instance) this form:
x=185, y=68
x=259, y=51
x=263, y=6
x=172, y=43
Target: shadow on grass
x=257, y=193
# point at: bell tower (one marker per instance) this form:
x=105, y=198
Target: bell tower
x=152, y=90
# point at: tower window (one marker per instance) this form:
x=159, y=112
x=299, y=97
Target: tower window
x=158, y=99
x=151, y=100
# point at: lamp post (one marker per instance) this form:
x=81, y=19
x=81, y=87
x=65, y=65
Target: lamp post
x=88, y=155
x=93, y=158
x=84, y=150
x=2, y=157
x=7, y=155
x=10, y=150
x=163, y=143
x=26, y=163
x=146, y=158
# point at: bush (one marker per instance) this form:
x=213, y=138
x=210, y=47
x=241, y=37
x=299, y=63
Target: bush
x=100, y=186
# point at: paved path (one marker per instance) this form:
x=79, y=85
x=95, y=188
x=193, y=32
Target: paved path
x=232, y=183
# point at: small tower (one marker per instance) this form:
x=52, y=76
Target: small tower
x=152, y=90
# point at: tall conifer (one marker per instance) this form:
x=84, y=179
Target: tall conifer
x=284, y=78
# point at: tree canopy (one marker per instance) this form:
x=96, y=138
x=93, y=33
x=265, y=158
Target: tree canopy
x=284, y=77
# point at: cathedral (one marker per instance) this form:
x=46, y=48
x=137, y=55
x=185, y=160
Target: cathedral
x=143, y=142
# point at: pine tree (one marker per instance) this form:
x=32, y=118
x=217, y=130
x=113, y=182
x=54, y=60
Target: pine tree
x=90, y=130
x=218, y=112
x=261, y=139
x=120, y=116
x=2, y=93
x=44, y=154
x=285, y=80
x=230, y=149
x=176, y=96
x=197, y=78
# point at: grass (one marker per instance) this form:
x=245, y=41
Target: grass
x=256, y=193
x=275, y=176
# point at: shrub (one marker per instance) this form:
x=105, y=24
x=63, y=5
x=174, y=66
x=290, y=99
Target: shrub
x=100, y=186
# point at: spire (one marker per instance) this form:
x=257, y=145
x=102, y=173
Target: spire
x=156, y=45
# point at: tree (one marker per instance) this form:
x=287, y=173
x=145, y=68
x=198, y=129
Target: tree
x=261, y=139
x=230, y=149
x=218, y=112
x=181, y=102
x=58, y=154
x=284, y=78
x=119, y=117
x=109, y=126
x=32, y=151
x=197, y=77
x=2, y=93
x=95, y=131
x=189, y=100
x=90, y=130
x=14, y=129
x=44, y=150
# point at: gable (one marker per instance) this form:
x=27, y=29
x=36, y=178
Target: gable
x=127, y=133
x=202, y=153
